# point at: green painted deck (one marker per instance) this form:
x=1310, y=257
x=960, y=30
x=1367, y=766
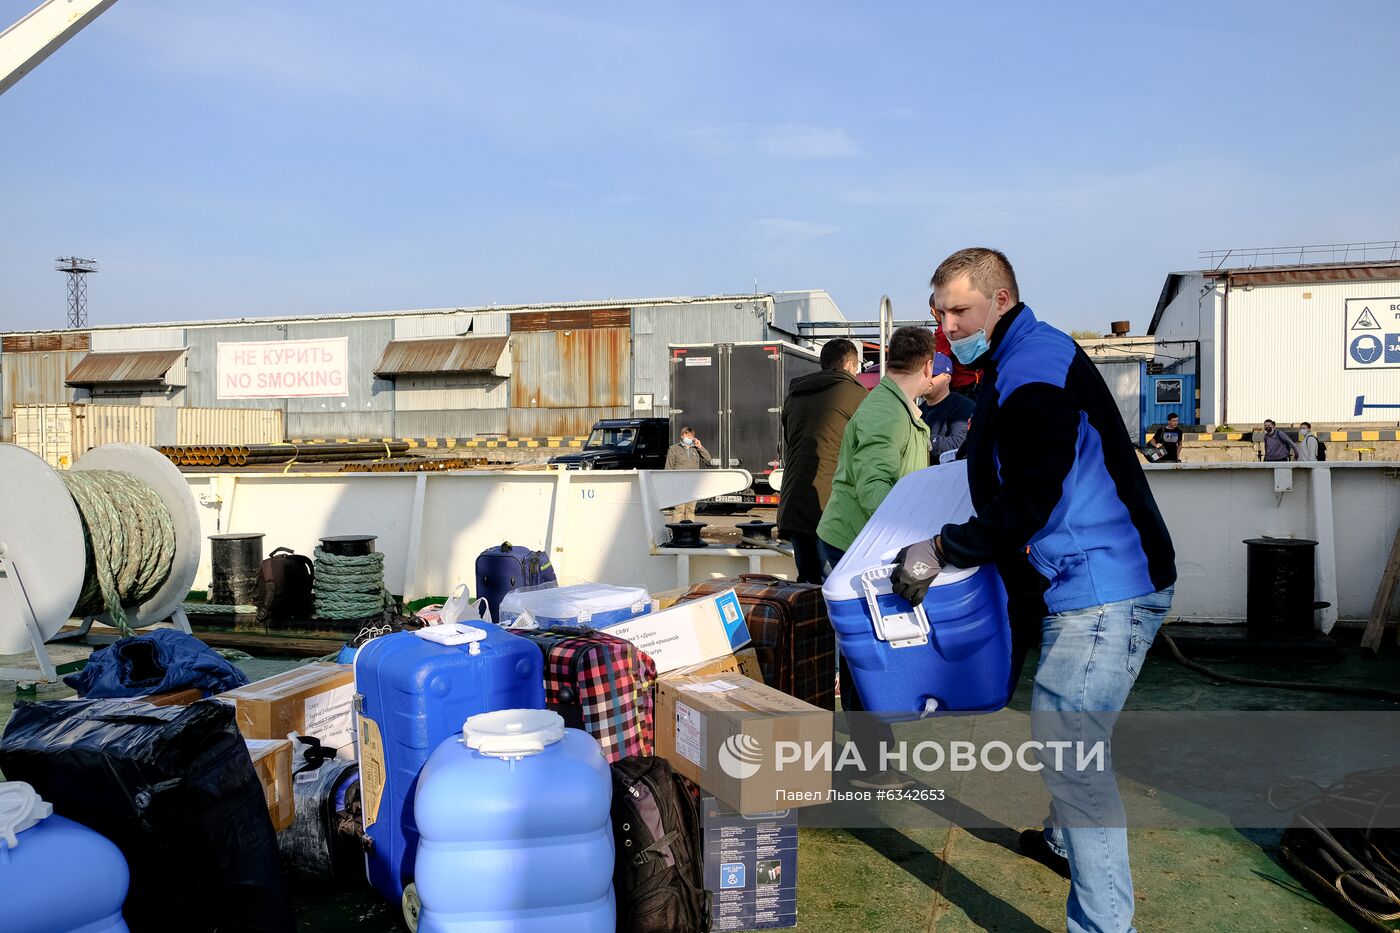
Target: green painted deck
x=953, y=880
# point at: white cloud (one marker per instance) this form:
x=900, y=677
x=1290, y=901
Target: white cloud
x=794, y=141
x=795, y=229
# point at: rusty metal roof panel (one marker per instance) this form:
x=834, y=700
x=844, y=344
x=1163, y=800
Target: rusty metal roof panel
x=443, y=355
x=570, y=319
x=45, y=343
x=127, y=366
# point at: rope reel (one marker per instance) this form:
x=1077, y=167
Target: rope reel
x=129, y=539
x=115, y=539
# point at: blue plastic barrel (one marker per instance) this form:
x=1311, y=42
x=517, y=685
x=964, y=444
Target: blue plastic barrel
x=56, y=875
x=514, y=831
x=415, y=689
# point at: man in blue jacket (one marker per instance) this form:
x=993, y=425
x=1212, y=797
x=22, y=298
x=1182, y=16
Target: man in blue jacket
x=1062, y=507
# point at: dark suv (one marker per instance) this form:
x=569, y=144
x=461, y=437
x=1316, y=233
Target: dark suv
x=622, y=444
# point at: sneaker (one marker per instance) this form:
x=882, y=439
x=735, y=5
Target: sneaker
x=882, y=780
x=1034, y=846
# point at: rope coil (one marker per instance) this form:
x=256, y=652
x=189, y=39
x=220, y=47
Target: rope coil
x=129, y=538
x=349, y=587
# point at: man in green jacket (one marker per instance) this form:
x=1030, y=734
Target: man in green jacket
x=885, y=441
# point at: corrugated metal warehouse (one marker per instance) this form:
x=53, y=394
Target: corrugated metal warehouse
x=518, y=371
x=1317, y=342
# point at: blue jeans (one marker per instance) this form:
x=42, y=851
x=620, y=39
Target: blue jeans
x=1089, y=659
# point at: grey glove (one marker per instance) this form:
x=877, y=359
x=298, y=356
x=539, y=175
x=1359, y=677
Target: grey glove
x=918, y=566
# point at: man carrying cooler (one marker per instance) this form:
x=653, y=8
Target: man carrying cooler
x=1061, y=499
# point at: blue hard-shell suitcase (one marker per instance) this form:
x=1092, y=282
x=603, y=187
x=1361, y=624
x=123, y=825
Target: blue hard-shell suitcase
x=504, y=568
x=412, y=693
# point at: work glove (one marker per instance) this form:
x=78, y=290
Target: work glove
x=917, y=565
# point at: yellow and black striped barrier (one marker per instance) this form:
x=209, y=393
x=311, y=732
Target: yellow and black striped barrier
x=1328, y=436
x=453, y=443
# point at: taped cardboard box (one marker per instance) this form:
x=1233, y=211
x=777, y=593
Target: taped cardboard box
x=314, y=699
x=272, y=760
x=172, y=698
x=689, y=633
x=742, y=741
x=744, y=661
x=668, y=598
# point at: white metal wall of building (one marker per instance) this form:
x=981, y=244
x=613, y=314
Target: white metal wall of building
x=1124, y=380
x=1286, y=347
x=1193, y=314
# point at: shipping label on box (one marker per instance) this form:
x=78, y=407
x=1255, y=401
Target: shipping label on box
x=742, y=741
x=689, y=633
x=314, y=699
x=750, y=866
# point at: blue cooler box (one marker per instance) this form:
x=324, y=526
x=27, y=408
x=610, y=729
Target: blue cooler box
x=596, y=605
x=953, y=653
x=414, y=690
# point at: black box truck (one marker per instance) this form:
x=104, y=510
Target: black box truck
x=732, y=395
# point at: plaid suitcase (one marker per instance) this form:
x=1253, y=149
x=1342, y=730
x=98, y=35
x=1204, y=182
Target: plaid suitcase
x=600, y=684
x=791, y=633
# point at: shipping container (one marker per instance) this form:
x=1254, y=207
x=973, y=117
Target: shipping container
x=62, y=433
x=732, y=395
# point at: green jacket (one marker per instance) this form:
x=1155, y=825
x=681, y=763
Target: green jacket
x=885, y=441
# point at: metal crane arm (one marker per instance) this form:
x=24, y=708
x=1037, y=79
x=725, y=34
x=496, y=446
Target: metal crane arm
x=39, y=34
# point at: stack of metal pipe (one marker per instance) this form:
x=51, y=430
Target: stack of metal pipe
x=253, y=454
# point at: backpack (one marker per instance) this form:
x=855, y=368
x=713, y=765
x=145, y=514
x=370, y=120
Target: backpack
x=658, y=874
x=284, y=587
x=1321, y=448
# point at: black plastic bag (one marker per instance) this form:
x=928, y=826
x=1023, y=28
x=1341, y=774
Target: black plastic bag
x=174, y=788
x=326, y=842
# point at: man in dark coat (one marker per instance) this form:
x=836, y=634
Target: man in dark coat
x=815, y=413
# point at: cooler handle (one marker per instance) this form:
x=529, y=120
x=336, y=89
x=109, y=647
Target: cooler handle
x=899, y=629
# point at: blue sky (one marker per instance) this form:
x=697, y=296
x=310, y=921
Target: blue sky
x=250, y=158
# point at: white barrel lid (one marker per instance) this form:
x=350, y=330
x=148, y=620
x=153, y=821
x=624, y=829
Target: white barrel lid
x=20, y=808
x=513, y=733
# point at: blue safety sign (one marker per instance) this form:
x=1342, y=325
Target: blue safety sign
x=1372, y=333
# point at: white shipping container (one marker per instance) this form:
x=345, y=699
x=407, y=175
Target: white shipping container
x=46, y=430
x=229, y=426
x=61, y=433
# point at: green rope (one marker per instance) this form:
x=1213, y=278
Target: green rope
x=217, y=609
x=130, y=542
x=349, y=587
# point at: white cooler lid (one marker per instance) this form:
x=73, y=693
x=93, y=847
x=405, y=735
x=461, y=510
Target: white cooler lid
x=20, y=808
x=916, y=509
x=513, y=733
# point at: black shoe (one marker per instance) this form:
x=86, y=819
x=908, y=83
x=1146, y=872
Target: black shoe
x=1033, y=845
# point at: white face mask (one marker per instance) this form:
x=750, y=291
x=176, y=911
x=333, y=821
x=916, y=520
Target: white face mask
x=688, y=441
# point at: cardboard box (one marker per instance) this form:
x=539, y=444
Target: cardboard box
x=744, y=661
x=750, y=866
x=689, y=633
x=175, y=697
x=272, y=760
x=668, y=598
x=314, y=699
x=723, y=733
